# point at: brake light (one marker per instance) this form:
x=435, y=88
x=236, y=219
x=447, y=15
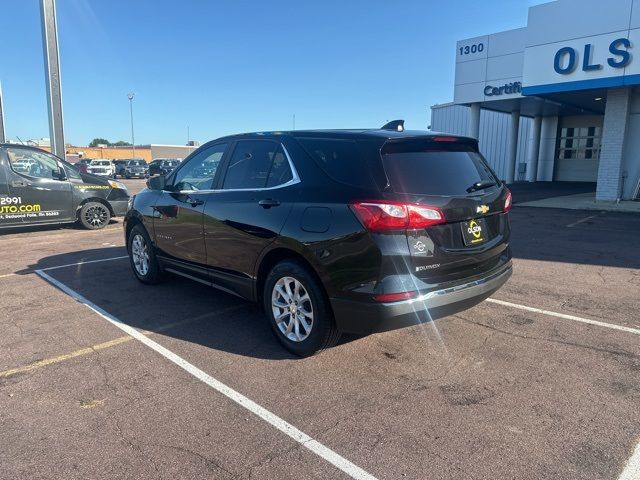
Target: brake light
x=394, y=297
x=381, y=215
x=445, y=139
x=508, y=201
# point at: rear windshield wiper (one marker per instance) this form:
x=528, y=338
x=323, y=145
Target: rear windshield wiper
x=481, y=185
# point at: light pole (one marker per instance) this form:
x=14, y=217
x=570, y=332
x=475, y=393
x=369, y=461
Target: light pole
x=130, y=96
x=2, y=137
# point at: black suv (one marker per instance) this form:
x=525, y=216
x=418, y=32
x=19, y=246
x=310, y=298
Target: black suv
x=119, y=166
x=350, y=231
x=163, y=166
x=136, y=168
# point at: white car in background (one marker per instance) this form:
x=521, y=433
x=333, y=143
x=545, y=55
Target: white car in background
x=103, y=168
x=24, y=165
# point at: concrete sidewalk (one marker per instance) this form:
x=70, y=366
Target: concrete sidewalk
x=583, y=201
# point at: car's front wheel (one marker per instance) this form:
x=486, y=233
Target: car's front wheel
x=299, y=313
x=142, y=257
x=94, y=215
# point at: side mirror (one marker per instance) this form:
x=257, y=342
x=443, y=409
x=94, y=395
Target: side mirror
x=59, y=174
x=157, y=183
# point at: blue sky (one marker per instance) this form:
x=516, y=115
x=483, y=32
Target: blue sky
x=224, y=67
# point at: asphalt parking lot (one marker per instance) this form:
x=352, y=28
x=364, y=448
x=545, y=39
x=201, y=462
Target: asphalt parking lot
x=508, y=389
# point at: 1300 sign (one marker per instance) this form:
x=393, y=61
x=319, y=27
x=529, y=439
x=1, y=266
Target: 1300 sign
x=470, y=49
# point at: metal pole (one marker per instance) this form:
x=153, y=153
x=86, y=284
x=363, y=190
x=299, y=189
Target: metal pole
x=52, y=75
x=2, y=135
x=474, y=121
x=133, y=140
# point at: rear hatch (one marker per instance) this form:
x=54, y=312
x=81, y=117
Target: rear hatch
x=449, y=176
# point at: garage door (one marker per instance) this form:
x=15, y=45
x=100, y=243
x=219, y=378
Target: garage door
x=578, y=154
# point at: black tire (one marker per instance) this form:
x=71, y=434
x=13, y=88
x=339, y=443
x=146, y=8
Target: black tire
x=153, y=273
x=323, y=332
x=94, y=215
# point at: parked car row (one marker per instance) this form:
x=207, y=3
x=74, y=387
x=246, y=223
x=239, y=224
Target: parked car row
x=332, y=232
x=127, y=168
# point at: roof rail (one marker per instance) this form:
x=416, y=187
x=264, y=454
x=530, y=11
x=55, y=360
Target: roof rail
x=396, y=125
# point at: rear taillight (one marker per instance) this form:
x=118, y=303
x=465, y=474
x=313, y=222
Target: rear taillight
x=381, y=215
x=508, y=201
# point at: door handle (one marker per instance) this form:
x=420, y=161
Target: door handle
x=19, y=183
x=194, y=202
x=268, y=203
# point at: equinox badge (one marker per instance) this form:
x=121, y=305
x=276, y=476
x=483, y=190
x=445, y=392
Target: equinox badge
x=482, y=209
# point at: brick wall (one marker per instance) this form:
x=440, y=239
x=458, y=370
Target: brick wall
x=111, y=153
x=614, y=133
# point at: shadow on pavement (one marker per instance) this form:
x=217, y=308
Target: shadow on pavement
x=177, y=308
x=608, y=239
x=53, y=227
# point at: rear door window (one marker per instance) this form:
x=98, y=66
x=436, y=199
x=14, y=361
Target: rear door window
x=350, y=162
x=257, y=164
x=448, y=172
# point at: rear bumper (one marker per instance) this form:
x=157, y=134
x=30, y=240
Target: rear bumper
x=368, y=317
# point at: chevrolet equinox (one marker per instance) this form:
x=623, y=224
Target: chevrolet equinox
x=332, y=231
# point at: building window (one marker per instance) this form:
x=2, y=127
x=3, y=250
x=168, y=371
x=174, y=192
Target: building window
x=580, y=143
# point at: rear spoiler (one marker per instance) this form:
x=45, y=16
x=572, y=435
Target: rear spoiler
x=429, y=142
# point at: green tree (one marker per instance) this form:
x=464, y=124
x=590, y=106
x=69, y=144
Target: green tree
x=121, y=143
x=99, y=141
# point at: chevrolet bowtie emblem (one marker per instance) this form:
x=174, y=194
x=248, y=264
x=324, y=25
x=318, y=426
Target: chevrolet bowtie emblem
x=482, y=209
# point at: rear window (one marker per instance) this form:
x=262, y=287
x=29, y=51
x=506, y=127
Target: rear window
x=351, y=162
x=437, y=172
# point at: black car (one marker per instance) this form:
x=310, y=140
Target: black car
x=350, y=231
x=163, y=166
x=37, y=187
x=136, y=169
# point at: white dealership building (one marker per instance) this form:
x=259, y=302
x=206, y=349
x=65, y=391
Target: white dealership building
x=556, y=100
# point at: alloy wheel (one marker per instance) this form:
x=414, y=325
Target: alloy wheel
x=140, y=254
x=292, y=309
x=96, y=215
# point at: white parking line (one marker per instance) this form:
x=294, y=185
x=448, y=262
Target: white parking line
x=81, y=263
x=582, y=220
x=564, y=316
x=302, y=438
x=632, y=468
